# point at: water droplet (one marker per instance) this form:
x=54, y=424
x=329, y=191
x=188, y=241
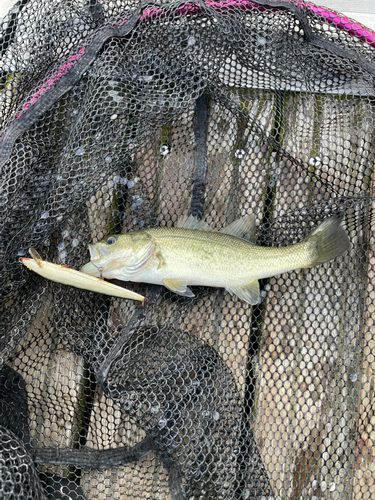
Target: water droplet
x=62, y=256
x=205, y=413
x=353, y=377
x=138, y=201
x=315, y=161
x=191, y=41
x=26, y=56
x=131, y=184
x=141, y=223
x=21, y=252
x=332, y=487
x=164, y=150
x=113, y=117
x=216, y=415
x=193, y=385
x=162, y=423
x=146, y=78
x=240, y=153
x=80, y=151
x=59, y=218
x=128, y=404
x=245, y=494
x=155, y=409
x=261, y=40
x=112, y=385
x=65, y=233
x=61, y=247
x=75, y=243
x=108, y=159
x=44, y=215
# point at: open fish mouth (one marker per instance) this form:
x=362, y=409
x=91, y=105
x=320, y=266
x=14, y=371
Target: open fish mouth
x=93, y=267
x=95, y=254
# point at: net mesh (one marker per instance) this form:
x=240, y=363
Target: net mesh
x=117, y=116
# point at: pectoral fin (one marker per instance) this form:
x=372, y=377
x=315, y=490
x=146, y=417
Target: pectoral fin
x=178, y=286
x=249, y=293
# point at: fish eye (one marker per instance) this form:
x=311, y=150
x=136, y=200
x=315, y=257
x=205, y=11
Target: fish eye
x=111, y=240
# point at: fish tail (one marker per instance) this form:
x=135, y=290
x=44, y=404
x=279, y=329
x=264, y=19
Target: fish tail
x=328, y=241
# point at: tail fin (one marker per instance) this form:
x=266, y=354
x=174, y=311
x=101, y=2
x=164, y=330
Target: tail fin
x=328, y=241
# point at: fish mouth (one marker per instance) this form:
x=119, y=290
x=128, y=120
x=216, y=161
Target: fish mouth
x=95, y=255
x=93, y=267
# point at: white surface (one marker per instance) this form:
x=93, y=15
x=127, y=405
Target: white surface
x=368, y=20
x=5, y=6
x=364, y=6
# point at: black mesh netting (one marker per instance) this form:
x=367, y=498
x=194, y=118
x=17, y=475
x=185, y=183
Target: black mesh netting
x=117, y=116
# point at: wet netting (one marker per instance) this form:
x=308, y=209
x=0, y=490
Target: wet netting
x=119, y=116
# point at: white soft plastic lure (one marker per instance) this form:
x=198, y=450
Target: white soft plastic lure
x=66, y=276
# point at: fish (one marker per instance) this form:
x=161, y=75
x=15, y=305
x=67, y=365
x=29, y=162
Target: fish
x=63, y=274
x=193, y=254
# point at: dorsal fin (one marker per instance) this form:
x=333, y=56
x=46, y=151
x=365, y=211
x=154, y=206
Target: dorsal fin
x=191, y=222
x=243, y=228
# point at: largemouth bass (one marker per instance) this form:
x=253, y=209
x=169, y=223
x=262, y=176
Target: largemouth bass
x=193, y=254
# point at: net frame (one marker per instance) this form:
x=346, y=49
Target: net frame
x=352, y=205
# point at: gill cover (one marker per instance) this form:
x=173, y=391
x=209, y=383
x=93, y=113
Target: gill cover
x=132, y=252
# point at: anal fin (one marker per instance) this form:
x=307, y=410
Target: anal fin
x=178, y=286
x=249, y=293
